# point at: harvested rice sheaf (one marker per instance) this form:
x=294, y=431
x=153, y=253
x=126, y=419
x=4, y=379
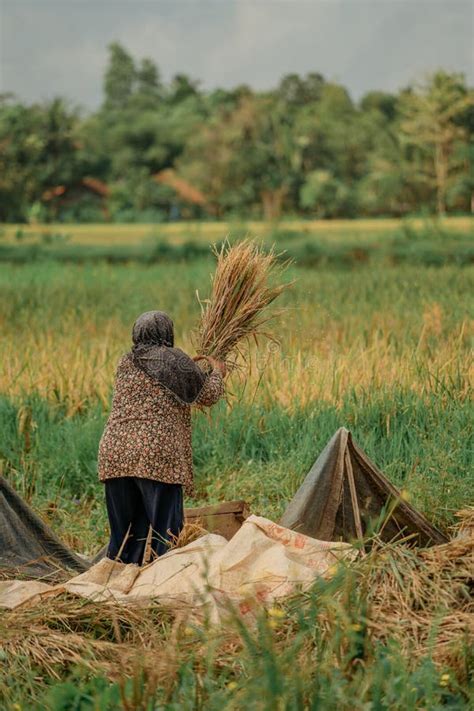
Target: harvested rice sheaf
x=246, y=281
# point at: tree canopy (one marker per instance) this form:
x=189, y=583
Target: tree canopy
x=305, y=148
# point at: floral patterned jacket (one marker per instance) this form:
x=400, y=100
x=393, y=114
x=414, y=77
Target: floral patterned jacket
x=148, y=433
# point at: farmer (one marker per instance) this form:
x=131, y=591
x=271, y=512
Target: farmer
x=145, y=456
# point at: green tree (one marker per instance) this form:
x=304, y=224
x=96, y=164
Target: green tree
x=137, y=197
x=381, y=102
x=387, y=184
x=302, y=147
x=245, y=158
x=120, y=77
x=325, y=196
x=149, y=93
x=148, y=78
x=431, y=124
x=296, y=91
x=326, y=131
x=181, y=88
x=38, y=157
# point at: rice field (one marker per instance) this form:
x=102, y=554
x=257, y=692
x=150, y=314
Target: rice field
x=383, y=349
x=205, y=232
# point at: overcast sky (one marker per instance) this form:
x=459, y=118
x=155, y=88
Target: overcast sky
x=59, y=47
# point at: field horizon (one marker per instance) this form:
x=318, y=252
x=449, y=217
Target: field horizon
x=120, y=232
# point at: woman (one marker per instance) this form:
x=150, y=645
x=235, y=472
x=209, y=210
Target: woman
x=145, y=456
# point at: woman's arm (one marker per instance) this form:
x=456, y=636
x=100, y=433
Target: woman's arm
x=213, y=389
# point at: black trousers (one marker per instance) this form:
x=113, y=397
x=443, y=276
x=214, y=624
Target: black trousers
x=135, y=504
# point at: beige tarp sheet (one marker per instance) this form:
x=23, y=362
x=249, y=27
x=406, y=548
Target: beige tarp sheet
x=260, y=564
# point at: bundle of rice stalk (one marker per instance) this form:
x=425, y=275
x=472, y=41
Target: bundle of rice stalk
x=246, y=281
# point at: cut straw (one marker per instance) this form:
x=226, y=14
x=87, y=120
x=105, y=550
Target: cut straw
x=246, y=281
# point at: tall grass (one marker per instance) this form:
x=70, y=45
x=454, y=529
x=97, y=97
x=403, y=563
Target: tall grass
x=255, y=452
x=427, y=247
x=64, y=328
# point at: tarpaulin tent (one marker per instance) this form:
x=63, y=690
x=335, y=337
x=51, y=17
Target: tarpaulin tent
x=345, y=497
x=340, y=499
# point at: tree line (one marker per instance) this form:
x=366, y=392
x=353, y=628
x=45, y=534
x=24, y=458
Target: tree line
x=156, y=151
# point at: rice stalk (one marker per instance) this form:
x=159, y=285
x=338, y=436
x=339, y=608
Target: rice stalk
x=245, y=283
x=190, y=532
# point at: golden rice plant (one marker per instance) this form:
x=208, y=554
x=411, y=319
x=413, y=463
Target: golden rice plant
x=246, y=281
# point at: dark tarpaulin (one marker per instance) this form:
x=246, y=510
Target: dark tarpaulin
x=28, y=547
x=344, y=496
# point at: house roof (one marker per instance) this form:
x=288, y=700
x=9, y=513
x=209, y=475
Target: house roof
x=185, y=190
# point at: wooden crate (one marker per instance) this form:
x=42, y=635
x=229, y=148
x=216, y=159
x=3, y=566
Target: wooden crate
x=224, y=519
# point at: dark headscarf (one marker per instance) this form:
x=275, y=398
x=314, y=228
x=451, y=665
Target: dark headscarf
x=153, y=352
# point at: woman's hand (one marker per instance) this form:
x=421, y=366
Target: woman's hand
x=221, y=366
x=216, y=364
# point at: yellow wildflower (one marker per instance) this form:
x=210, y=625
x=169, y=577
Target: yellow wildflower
x=444, y=680
x=276, y=612
x=232, y=685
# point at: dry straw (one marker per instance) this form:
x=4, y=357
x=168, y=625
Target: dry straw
x=246, y=281
x=417, y=598
x=421, y=598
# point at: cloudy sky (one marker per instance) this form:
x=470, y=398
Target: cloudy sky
x=59, y=47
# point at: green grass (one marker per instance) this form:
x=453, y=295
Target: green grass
x=427, y=244
x=382, y=351
x=252, y=452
